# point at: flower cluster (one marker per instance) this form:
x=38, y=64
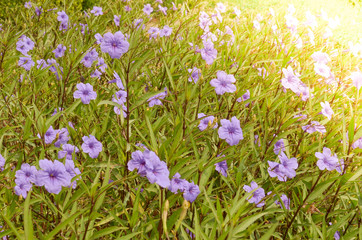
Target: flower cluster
x=149, y=165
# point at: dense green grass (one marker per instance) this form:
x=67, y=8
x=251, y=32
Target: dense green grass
x=111, y=202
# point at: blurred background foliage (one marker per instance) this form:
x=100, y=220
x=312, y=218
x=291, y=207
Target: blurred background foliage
x=9, y=6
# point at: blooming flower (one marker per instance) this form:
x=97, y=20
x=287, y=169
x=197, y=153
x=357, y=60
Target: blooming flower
x=62, y=137
x=137, y=161
x=59, y=51
x=67, y=151
x=191, y=191
x=91, y=146
x=209, y=53
x=155, y=100
x=327, y=110
x=89, y=58
x=223, y=83
x=220, y=7
x=284, y=170
x=147, y=9
x=314, y=127
x=117, y=19
x=97, y=11
x=127, y=8
x=85, y=93
x=285, y=200
x=326, y=160
x=231, y=131
x=114, y=44
x=22, y=187
x=2, y=162
x=177, y=183
x=38, y=11
x=356, y=79
x=257, y=195
x=28, y=5
x=62, y=17
x=195, y=74
x=322, y=70
x=117, y=80
x=321, y=57
x=50, y=135
x=27, y=173
x=26, y=63
x=162, y=9
x=166, y=31
x=154, y=32
x=53, y=176
x=205, y=122
x=222, y=167
x=156, y=170
x=72, y=171
x=279, y=146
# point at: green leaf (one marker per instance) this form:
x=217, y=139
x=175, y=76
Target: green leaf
x=28, y=221
x=129, y=236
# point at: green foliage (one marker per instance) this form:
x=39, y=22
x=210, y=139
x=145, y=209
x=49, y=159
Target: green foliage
x=109, y=201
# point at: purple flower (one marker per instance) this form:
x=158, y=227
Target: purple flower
x=163, y=9
x=284, y=170
x=118, y=80
x=257, y=195
x=195, y=74
x=27, y=173
x=326, y=160
x=50, y=135
x=91, y=146
x=285, y=200
x=177, y=184
x=85, y=93
x=26, y=63
x=290, y=80
x=204, y=123
x=41, y=64
x=2, y=162
x=327, y=110
x=222, y=167
x=56, y=110
x=67, y=151
x=116, y=45
x=322, y=70
x=314, y=127
x=38, y=11
x=147, y=9
x=153, y=31
x=22, y=187
x=72, y=171
x=117, y=19
x=337, y=235
x=52, y=175
x=97, y=11
x=59, y=51
x=166, y=31
x=321, y=57
x=96, y=74
x=99, y=38
x=137, y=161
x=155, y=100
x=209, y=53
x=62, y=17
x=102, y=65
x=231, y=131
x=120, y=97
x=156, y=170
x=28, y=5
x=191, y=191
x=127, y=8
x=63, y=137
x=89, y=58
x=223, y=83
x=279, y=147
x=24, y=45
x=356, y=79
